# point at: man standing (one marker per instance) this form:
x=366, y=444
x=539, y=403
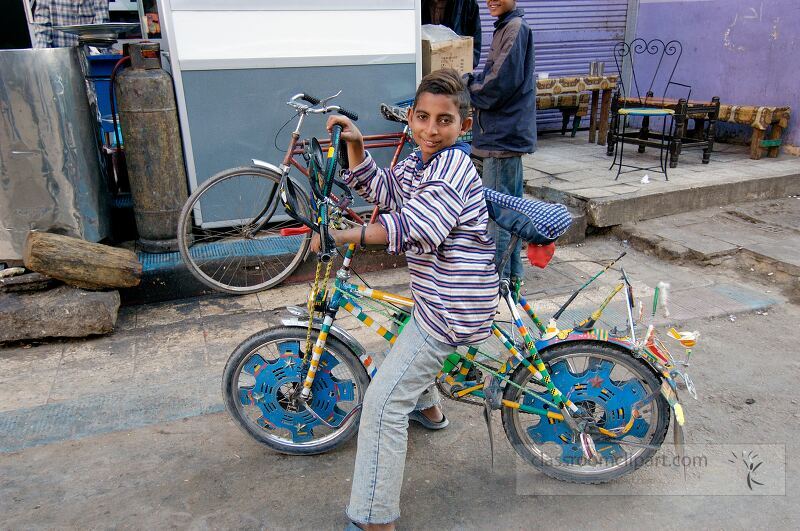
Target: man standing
x=49, y=13
x=504, y=102
x=461, y=16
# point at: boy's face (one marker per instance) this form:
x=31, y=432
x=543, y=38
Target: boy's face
x=500, y=7
x=435, y=123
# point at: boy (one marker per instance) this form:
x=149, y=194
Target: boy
x=438, y=217
x=504, y=98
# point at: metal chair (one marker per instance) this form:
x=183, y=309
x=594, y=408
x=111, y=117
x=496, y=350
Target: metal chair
x=643, y=105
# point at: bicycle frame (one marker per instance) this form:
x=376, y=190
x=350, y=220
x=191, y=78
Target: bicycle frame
x=456, y=367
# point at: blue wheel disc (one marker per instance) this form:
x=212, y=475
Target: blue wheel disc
x=610, y=402
x=276, y=378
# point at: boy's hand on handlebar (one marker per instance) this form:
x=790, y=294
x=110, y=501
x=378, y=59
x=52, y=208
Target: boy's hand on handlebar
x=315, y=241
x=315, y=246
x=350, y=133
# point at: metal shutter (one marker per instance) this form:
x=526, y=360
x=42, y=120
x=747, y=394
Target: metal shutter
x=568, y=34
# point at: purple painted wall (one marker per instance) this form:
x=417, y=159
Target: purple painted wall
x=744, y=51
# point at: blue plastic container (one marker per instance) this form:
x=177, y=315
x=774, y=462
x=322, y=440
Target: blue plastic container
x=100, y=68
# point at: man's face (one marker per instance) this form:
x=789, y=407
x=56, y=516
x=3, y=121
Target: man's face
x=500, y=7
x=435, y=123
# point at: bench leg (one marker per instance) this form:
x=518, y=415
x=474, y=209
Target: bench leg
x=698, y=131
x=565, y=114
x=680, y=131
x=755, y=144
x=576, y=122
x=593, y=117
x=604, y=132
x=775, y=134
x=712, y=130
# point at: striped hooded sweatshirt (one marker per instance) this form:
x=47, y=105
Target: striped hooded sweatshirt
x=438, y=217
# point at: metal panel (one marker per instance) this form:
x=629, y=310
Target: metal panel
x=245, y=124
x=50, y=176
x=568, y=35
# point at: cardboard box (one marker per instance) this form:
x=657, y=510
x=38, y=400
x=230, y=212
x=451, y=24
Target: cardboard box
x=455, y=53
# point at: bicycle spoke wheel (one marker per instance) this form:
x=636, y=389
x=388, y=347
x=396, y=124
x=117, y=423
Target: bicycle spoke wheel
x=263, y=376
x=229, y=232
x=605, y=383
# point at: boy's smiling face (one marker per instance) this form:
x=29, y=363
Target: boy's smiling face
x=500, y=7
x=435, y=123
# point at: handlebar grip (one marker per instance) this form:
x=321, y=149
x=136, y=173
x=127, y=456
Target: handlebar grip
x=310, y=99
x=350, y=114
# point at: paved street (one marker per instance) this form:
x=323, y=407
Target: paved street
x=128, y=430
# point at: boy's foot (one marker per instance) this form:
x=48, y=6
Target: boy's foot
x=431, y=418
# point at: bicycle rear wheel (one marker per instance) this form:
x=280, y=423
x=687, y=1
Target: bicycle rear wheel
x=606, y=383
x=229, y=232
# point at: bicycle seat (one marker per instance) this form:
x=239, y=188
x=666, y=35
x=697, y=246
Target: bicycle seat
x=394, y=113
x=536, y=222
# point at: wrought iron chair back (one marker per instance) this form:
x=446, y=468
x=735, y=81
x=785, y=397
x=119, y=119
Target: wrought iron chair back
x=663, y=55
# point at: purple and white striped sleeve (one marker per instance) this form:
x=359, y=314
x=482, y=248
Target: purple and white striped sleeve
x=425, y=220
x=376, y=185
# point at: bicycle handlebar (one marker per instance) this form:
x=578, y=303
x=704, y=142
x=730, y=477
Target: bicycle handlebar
x=328, y=108
x=350, y=114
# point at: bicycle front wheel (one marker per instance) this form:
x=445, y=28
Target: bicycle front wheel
x=229, y=232
x=266, y=372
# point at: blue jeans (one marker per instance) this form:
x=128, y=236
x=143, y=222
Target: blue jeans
x=505, y=176
x=402, y=384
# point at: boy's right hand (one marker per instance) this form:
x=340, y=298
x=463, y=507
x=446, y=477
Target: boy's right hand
x=350, y=133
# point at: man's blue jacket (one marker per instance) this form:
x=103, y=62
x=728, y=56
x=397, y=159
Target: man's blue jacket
x=504, y=94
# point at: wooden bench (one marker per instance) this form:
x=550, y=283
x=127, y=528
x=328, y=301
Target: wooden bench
x=760, y=118
x=570, y=105
x=600, y=88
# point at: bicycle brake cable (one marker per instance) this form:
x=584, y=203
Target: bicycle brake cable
x=275, y=140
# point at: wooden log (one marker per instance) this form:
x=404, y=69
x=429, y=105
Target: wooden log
x=27, y=282
x=81, y=263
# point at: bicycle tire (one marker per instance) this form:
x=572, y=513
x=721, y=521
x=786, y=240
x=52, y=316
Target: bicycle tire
x=523, y=439
x=346, y=372
x=227, y=255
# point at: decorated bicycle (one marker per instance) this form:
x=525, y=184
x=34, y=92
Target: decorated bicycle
x=581, y=404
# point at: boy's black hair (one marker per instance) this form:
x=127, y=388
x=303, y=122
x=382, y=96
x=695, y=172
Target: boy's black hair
x=449, y=83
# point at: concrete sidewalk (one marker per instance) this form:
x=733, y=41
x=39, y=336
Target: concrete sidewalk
x=575, y=172
x=759, y=238
x=164, y=362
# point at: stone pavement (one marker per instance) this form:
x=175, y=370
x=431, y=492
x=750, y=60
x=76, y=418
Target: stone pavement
x=762, y=237
x=164, y=361
x=573, y=171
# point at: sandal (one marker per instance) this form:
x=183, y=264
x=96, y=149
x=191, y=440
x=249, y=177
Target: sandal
x=419, y=417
